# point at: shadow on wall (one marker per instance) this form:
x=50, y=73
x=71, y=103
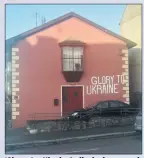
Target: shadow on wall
x=40, y=69
x=135, y=79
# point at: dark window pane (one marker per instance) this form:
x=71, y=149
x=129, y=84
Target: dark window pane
x=114, y=104
x=98, y=106
x=122, y=104
x=104, y=105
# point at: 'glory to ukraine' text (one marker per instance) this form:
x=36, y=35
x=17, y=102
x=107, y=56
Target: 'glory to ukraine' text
x=105, y=84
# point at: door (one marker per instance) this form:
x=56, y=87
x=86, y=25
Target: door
x=72, y=99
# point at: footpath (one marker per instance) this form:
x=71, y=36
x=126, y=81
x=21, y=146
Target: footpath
x=18, y=136
x=16, y=139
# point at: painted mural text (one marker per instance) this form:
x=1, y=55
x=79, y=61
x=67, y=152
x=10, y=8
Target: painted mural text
x=105, y=84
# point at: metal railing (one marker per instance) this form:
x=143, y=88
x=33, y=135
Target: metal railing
x=57, y=116
x=65, y=123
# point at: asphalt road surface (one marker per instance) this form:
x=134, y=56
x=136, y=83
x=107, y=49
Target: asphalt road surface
x=121, y=145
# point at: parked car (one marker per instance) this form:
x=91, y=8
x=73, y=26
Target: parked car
x=103, y=108
x=138, y=122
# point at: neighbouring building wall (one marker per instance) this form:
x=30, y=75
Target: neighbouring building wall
x=8, y=87
x=8, y=71
x=130, y=27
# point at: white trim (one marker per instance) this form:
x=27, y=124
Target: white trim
x=13, y=53
x=71, y=86
x=61, y=100
x=15, y=49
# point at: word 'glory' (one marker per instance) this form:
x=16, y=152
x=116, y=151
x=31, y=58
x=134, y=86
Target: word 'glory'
x=107, y=79
x=102, y=89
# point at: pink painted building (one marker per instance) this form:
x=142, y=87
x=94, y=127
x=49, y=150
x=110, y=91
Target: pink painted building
x=64, y=65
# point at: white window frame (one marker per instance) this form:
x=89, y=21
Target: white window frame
x=74, y=59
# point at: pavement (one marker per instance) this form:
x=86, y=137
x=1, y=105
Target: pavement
x=17, y=136
x=117, y=145
x=53, y=138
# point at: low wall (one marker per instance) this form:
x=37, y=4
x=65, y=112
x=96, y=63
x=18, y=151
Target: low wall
x=63, y=125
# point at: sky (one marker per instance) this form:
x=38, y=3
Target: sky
x=21, y=18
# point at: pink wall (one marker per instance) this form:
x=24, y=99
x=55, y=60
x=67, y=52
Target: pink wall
x=40, y=66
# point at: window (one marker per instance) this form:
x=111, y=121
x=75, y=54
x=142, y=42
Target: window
x=103, y=105
x=72, y=58
x=122, y=104
x=114, y=104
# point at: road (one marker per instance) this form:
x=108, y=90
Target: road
x=121, y=145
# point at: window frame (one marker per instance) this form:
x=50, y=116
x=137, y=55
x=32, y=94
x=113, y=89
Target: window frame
x=73, y=59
